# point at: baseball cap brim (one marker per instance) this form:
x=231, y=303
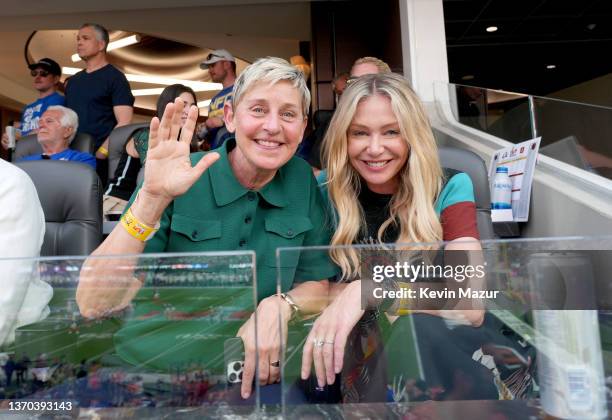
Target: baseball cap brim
x=52, y=68
x=216, y=56
x=213, y=60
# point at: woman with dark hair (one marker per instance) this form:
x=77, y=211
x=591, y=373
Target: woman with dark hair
x=139, y=143
x=123, y=183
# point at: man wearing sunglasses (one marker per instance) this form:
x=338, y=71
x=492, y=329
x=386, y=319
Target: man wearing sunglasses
x=46, y=75
x=221, y=66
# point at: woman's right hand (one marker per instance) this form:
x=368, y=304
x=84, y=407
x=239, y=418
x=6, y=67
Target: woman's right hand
x=325, y=345
x=168, y=171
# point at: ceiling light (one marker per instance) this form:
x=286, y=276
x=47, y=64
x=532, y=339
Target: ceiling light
x=492, y=28
x=551, y=66
x=204, y=104
x=120, y=43
x=156, y=80
x=147, y=92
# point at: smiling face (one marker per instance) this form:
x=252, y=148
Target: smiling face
x=376, y=148
x=269, y=125
x=188, y=101
x=87, y=44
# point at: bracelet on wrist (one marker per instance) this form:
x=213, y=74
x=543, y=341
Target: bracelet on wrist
x=136, y=228
x=295, y=310
x=103, y=150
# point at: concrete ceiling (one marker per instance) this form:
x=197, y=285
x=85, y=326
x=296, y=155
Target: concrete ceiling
x=573, y=35
x=245, y=27
x=39, y=7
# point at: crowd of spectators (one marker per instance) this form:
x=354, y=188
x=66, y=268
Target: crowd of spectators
x=89, y=384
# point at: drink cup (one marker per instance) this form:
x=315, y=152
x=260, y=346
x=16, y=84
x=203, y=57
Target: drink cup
x=10, y=132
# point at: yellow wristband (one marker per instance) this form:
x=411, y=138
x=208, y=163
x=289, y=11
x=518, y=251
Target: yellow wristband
x=402, y=312
x=103, y=150
x=136, y=228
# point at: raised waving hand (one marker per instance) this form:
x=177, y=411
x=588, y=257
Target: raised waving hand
x=168, y=170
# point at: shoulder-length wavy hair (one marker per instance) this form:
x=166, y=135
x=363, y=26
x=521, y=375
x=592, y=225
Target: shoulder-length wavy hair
x=169, y=94
x=412, y=205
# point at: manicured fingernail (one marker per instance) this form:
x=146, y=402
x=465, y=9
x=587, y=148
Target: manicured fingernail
x=246, y=395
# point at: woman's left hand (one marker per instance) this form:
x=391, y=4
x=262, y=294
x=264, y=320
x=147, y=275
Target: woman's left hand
x=327, y=339
x=268, y=343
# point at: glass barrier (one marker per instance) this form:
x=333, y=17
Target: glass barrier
x=126, y=335
x=519, y=329
x=573, y=133
x=502, y=114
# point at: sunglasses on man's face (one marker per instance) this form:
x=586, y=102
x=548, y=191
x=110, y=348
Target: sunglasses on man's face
x=41, y=73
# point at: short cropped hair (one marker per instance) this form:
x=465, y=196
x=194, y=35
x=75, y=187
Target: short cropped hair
x=101, y=32
x=271, y=70
x=382, y=66
x=69, y=119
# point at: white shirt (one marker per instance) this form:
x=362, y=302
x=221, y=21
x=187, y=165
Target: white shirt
x=23, y=296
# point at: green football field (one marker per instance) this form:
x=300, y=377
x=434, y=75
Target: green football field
x=166, y=329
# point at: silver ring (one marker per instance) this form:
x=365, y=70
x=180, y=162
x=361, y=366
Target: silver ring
x=317, y=342
x=328, y=342
x=275, y=364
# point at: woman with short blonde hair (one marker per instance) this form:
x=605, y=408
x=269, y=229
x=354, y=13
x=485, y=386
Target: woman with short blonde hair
x=250, y=194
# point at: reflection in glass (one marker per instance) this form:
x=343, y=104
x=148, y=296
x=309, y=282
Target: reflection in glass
x=545, y=340
x=166, y=348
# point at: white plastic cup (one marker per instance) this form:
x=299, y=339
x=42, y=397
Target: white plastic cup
x=11, y=134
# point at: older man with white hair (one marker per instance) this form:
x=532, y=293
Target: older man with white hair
x=56, y=130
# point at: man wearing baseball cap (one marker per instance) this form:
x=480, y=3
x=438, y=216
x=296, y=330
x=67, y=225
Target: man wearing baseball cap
x=46, y=75
x=221, y=67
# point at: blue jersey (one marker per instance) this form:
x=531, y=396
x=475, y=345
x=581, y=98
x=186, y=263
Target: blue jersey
x=32, y=112
x=68, y=154
x=215, y=110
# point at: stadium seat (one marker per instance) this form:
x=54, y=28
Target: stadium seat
x=470, y=163
x=71, y=197
x=28, y=145
x=118, y=138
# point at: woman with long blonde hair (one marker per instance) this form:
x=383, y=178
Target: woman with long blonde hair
x=408, y=173
x=385, y=185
